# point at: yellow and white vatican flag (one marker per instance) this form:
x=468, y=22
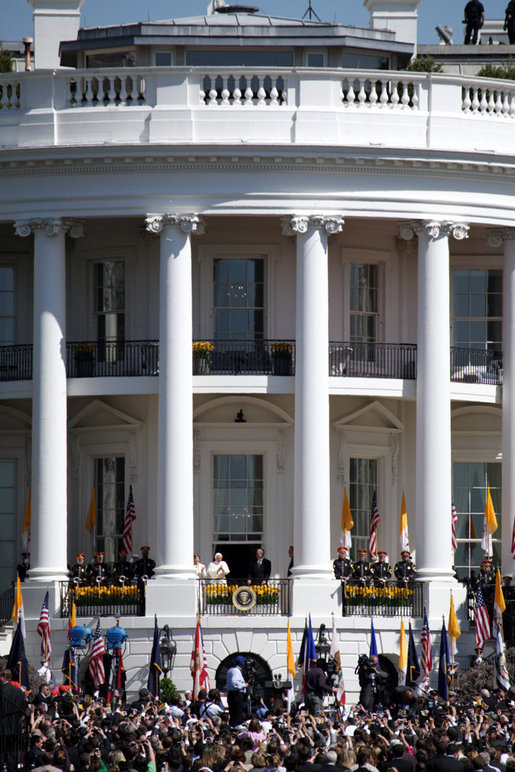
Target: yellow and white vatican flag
x=347, y=523
x=290, y=667
x=489, y=525
x=403, y=534
x=499, y=603
x=403, y=656
x=18, y=614
x=453, y=629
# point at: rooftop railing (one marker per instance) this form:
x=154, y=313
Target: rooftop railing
x=298, y=105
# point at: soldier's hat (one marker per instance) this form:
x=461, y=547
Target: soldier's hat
x=122, y=552
x=145, y=548
x=80, y=555
x=382, y=552
x=405, y=552
x=507, y=576
x=342, y=549
x=484, y=562
x=97, y=554
x=362, y=552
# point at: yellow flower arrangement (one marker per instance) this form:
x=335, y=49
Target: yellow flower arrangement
x=222, y=593
x=202, y=348
x=282, y=349
x=379, y=596
x=103, y=595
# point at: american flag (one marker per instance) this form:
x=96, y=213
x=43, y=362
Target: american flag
x=427, y=649
x=44, y=631
x=454, y=516
x=96, y=662
x=375, y=519
x=481, y=618
x=130, y=517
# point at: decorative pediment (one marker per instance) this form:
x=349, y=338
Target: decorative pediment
x=224, y=410
x=373, y=416
x=99, y=415
x=13, y=420
x=477, y=419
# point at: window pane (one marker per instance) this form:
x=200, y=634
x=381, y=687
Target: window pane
x=238, y=491
x=110, y=500
x=362, y=485
x=477, y=309
x=238, y=299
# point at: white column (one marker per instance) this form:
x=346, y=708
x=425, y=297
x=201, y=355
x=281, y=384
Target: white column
x=496, y=238
x=434, y=555
x=312, y=524
x=174, y=549
x=49, y=454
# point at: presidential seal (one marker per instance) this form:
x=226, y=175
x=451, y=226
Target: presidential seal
x=244, y=598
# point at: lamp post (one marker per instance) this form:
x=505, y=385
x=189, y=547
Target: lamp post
x=167, y=649
x=322, y=646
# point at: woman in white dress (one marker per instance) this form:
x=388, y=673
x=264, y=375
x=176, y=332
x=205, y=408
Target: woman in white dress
x=198, y=567
x=218, y=569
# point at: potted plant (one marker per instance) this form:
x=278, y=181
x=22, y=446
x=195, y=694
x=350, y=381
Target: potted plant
x=282, y=358
x=202, y=353
x=84, y=360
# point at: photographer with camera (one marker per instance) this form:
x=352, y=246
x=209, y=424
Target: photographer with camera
x=236, y=690
x=316, y=688
x=372, y=680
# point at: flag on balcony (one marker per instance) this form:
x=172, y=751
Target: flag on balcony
x=198, y=667
x=489, y=525
x=347, y=522
x=499, y=603
x=453, y=629
x=91, y=519
x=481, y=618
x=403, y=657
x=443, y=666
x=404, y=537
x=290, y=667
x=501, y=675
x=454, y=518
x=18, y=614
x=96, y=660
x=44, y=631
x=130, y=517
x=375, y=519
x=427, y=649
x=155, y=669
x=17, y=661
x=413, y=664
x=25, y=531
x=373, y=642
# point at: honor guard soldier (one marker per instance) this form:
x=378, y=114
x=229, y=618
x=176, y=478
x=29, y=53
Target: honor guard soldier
x=381, y=570
x=361, y=569
x=487, y=572
x=79, y=571
x=405, y=570
x=98, y=571
x=144, y=567
x=342, y=566
x=122, y=569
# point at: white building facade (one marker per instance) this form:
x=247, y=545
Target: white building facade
x=361, y=224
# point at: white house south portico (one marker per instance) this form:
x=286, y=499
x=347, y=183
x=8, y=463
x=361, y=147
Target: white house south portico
x=265, y=216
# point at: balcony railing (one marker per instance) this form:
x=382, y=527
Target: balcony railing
x=99, y=359
x=103, y=601
x=16, y=363
x=476, y=366
x=240, y=357
x=373, y=360
x=388, y=601
x=217, y=599
x=6, y=605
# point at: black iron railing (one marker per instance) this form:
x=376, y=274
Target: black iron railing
x=237, y=598
x=388, y=601
x=99, y=359
x=6, y=605
x=235, y=357
x=469, y=365
x=103, y=600
x=16, y=362
x=373, y=360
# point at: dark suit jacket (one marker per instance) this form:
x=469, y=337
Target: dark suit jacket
x=260, y=572
x=13, y=705
x=441, y=763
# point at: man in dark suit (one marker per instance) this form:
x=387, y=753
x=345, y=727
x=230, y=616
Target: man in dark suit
x=446, y=759
x=260, y=569
x=13, y=706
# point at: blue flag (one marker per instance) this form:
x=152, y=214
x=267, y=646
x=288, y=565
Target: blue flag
x=17, y=661
x=443, y=667
x=413, y=673
x=300, y=658
x=373, y=644
x=155, y=663
x=310, y=653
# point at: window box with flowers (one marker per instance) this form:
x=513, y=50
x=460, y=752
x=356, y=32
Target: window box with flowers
x=202, y=353
x=84, y=354
x=282, y=354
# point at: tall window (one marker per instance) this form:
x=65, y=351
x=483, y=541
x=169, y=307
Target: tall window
x=7, y=305
x=471, y=480
x=477, y=309
x=7, y=522
x=238, y=498
x=362, y=484
x=364, y=303
x=110, y=496
x=239, y=299
x=110, y=308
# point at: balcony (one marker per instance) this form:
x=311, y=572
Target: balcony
x=388, y=601
x=103, y=601
x=240, y=599
x=16, y=363
x=373, y=360
x=476, y=366
x=104, y=359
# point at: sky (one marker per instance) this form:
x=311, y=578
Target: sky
x=16, y=15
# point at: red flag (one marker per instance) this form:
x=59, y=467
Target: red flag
x=96, y=662
x=198, y=664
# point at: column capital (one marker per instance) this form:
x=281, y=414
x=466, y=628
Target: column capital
x=433, y=229
x=302, y=223
x=188, y=223
x=497, y=237
x=52, y=226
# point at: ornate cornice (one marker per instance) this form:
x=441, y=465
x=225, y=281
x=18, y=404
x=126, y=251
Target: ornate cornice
x=188, y=223
x=433, y=229
x=302, y=223
x=497, y=237
x=51, y=226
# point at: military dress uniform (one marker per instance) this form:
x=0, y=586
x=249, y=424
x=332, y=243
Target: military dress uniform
x=405, y=571
x=144, y=567
x=122, y=569
x=342, y=566
x=79, y=572
x=381, y=571
x=99, y=572
x=361, y=570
